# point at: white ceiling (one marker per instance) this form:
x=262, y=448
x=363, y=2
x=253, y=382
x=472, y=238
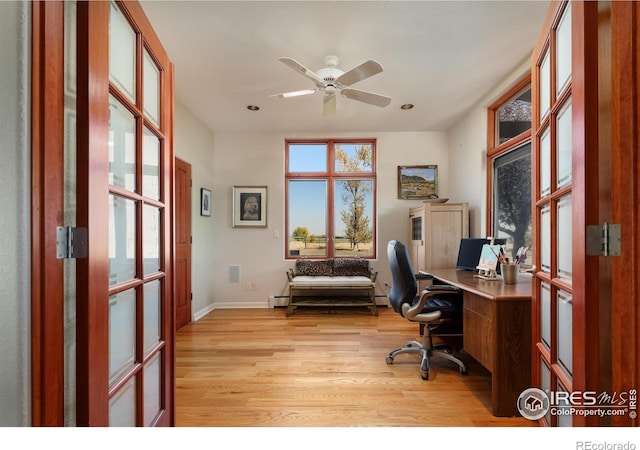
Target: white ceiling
x=442, y=56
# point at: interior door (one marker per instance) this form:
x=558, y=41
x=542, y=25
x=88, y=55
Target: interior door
x=183, y=295
x=566, y=182
x=125, y=160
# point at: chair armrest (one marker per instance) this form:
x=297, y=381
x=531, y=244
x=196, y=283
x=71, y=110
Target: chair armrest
x=423, y=276
x=442, y=288
x=290, y=275
x=373, y=275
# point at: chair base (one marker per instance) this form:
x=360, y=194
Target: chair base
x=442, y=351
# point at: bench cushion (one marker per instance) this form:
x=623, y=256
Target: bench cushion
x=324, y=281
x=351, y=267
x=314, y=267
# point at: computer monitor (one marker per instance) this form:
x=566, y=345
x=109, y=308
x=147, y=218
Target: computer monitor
x=470, y=251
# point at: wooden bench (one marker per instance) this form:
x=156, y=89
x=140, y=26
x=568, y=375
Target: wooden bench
x=332, y=282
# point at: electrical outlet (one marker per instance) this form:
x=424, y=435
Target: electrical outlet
x=247, y=286
x=253, y=286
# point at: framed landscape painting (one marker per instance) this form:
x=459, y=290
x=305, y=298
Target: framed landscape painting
x=417, y=182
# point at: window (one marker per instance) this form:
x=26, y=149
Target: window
x=509, y=163
x=330, y=199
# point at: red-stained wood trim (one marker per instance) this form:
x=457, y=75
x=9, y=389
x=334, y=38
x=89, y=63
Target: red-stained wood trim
x=47, y=169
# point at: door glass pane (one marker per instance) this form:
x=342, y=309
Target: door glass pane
x=566, y=419
x=563, y=50
x=545, y=164
x=70, y=188
x=353, y=158
x=564, y=144
x=122, y=146
x=353, y=218
x=151, y=239
x=151, y=314
x=545, y=384
x=545, y=86
x=307, y=218
x=307, y=157
x=122, y=239
x=122, y=406
x=545, y=314
x=122, y=53
x=151, y=83
x=514, y=117
x=152, y=383
x=545, y=238
x=512, y=197
x=565, y=329
x=122, y=333
x=150, y=165
x=564, y=238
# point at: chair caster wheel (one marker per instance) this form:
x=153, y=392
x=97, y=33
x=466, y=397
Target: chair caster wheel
x=463, y=370
x=425, y=375
x=389, y=360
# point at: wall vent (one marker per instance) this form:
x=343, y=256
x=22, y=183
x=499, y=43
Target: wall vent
x=234, y=274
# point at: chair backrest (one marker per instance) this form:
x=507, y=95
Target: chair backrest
x=404, y=286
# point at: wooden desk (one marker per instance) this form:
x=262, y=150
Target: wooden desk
x=497, y=332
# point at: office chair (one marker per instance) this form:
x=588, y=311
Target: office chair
x=431, y=308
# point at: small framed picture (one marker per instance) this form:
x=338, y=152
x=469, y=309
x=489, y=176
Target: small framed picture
x=417, y=182
x=205, y=202
x=250, y=206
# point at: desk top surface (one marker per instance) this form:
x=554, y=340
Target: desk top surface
x=492, y=289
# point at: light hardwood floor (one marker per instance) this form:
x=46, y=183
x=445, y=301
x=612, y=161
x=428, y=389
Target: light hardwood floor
x=320, y=368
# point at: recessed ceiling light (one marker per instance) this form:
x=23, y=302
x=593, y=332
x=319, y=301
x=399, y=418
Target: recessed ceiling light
x=253, y=108
x=406, y=106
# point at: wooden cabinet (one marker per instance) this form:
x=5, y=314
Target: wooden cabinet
x=435, y=230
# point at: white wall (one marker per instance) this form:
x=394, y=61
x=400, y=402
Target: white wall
x=15, y=195
x=224, y=159
x=194, y=145
x=258, y=159
x=467, y=143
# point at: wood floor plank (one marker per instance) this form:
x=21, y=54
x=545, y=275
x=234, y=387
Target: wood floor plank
x=320, y=368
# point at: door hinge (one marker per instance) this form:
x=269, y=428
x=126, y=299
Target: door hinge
x=603, y=240
x=71, y=242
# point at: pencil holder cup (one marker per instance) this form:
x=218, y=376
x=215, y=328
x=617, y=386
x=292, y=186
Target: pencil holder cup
x=509, y=273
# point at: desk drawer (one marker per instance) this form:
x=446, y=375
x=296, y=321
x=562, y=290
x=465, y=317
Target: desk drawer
x=480, y=306
x=478, y=326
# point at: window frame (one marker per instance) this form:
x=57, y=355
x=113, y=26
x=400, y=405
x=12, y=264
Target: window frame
x=496, y=149
x=330, y=176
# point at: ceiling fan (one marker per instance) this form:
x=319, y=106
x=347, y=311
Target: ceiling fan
x=332, y=81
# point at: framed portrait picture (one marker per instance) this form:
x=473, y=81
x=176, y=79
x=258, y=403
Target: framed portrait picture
x=250, y=206
x=417, y=182
x=205, y=202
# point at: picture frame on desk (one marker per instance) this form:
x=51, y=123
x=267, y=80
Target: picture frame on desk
x=418, y=182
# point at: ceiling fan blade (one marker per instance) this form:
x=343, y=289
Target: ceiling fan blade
x=364, y=70
x=295, y=65
x=329, y=106
x=295, y=93
x=366, y=97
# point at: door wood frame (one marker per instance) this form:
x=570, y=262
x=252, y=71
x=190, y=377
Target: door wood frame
x=625, y=194
x=47, y=205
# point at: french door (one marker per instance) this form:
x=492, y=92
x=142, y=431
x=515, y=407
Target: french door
x=585, y=166
x=125, y=162
x=118, y=115
x=558, y=188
